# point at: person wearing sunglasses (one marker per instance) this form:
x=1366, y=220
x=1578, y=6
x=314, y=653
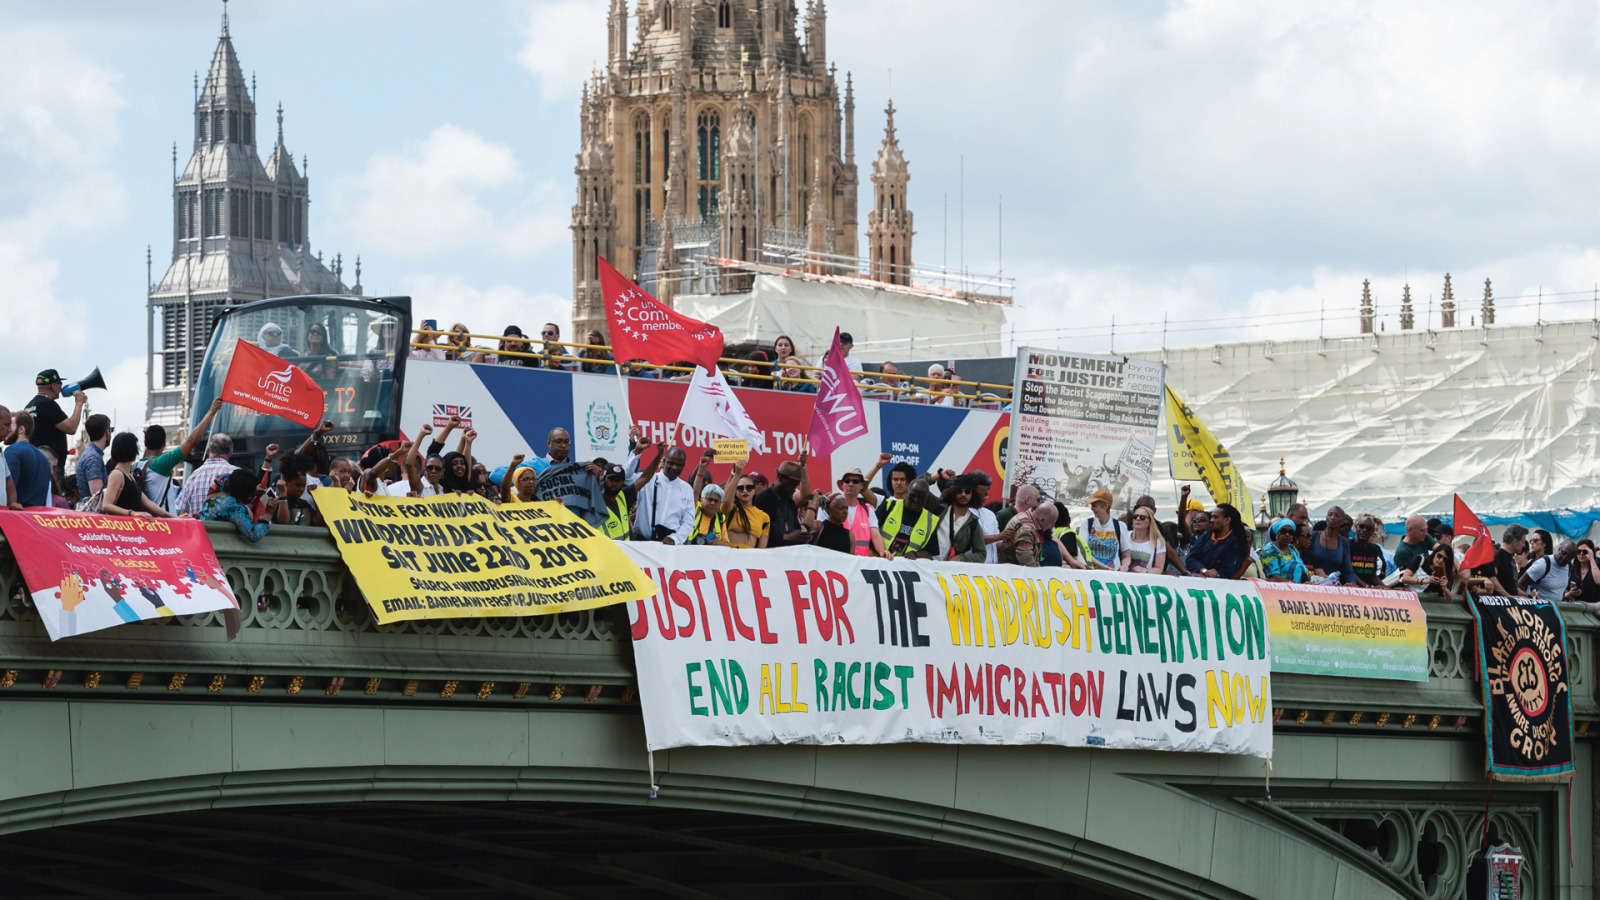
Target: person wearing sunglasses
x=748, y=526
x=1584, y=586
x=270, y=339
x=862, y=521
x=1279, y=559
x=551, y=335
x=1147, y=552
x=1366, y=554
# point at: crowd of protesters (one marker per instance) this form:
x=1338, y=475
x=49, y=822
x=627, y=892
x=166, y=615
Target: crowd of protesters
x=780, y=368
x=652, y=494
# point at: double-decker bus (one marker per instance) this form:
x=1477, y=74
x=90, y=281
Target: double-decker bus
x=354, y=347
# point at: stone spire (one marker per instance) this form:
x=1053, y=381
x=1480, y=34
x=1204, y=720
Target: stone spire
x=1488, y=303
x=1407, y=320
x=594, y=220
x=739, y=174
x=1447, y=305
x=617, y=28
x=817, y=33
x=889, y=226
x=816, y=230
x=667, y=264
x=1366, y=307
x=240, y=232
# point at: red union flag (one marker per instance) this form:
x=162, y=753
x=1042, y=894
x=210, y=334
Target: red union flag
x=1466, y=522
x=839, y=416
x=641, y=328
x=260, y=381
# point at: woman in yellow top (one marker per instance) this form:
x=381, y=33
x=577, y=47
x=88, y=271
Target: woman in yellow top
x=747, y=526
x=523, y=478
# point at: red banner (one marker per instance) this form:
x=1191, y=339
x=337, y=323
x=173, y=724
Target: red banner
x=642, y=328
x=261, y=381
x=87, y=571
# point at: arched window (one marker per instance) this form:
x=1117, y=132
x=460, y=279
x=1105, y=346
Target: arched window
x=666, y=18
x=641, y=150
x=724, y=14
x=708, y=161
x=235, y=135
x=892, y=276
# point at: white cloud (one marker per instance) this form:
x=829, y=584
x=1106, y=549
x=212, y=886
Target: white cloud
x=58, y=137
x=562, y=43
x=485, y=311
x=452, y=190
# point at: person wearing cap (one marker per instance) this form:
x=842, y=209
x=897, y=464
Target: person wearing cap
x=270, y=339
x=622, y=498
x=846, y=344
x=786, y=503
x=508, y=346
x=959, y=533
x=50, y=425
x=709, y=528
x=862, y=521
x=1106, y=537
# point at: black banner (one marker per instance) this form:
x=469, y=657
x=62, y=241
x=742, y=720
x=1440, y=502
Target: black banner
x=1522, y=664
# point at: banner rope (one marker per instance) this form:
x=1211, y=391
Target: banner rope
x=654, y=789
x=1267, y=765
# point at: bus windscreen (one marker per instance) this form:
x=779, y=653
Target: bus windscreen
x=348, y=350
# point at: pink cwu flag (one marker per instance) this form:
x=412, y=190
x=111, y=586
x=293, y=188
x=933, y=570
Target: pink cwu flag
x=839, y=416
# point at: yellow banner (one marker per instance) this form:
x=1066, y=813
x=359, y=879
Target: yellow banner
x=1197, y=455
x=458, y=556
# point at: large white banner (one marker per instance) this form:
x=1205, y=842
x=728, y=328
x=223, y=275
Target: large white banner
x=811, y=646
x=1083, y=423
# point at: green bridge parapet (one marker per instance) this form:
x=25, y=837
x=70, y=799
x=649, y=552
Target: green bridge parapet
x=305, y=631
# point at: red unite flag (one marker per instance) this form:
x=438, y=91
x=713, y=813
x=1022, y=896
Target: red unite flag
x=1466, y=522
x=261, y=381
x=642, y=328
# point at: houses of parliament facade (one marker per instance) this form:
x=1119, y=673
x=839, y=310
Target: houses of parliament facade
x=717, y=115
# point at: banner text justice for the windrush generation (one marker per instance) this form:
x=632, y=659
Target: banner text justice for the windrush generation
x=811, y=646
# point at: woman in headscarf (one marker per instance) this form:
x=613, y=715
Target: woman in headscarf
x=1280, y=561
x=519, y=483
x=270, y=339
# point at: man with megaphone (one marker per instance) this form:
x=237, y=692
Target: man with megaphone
x=51, y=425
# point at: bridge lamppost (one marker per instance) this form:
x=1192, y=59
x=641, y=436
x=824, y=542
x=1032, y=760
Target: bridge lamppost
x=1281, y=493
x=1264, y=521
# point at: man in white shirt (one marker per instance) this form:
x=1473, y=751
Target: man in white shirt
x=846, y=344
x=666, y=503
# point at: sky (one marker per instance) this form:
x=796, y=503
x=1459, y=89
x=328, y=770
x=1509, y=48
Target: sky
x=1233, y=167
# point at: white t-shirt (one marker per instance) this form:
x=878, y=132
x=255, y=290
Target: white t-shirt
x=852, y=363
x=1144, y=552
x=1107, y=540
x=991, y=526
x=403, y=487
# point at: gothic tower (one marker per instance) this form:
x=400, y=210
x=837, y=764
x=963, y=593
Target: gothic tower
x=670, y=106
x=239, y=233
x=1447, y=305
x=1366, y=306
x=594, y=218
x=1488, y=303
x=889, y=223
x=1407, y=319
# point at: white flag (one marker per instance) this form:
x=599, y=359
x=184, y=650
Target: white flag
x=710, y=405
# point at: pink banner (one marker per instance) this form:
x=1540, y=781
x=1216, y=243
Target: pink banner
x=840, y=415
